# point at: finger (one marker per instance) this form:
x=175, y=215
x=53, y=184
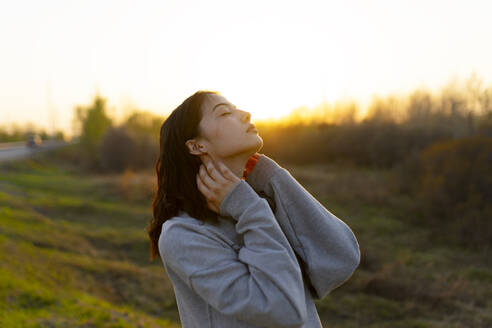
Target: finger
x=213, y=172
x=204, y=158
x=212, y=205
x=207, y=193
x=202, y=187
x=209, y=166
x=226, y=172
x=206, y=179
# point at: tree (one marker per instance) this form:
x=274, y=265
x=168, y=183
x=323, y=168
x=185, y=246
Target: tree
x=93, y=122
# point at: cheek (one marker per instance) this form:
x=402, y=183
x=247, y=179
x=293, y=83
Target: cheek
x=217, y=132
x=219, y=136
x=226, y=136
x=226, y=130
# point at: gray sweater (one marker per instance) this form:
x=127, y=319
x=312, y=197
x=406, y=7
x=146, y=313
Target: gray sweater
x=275, y=250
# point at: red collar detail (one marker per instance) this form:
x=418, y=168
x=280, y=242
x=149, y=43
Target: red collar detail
x=250, y=164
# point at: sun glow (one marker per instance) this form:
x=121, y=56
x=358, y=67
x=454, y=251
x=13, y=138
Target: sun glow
x=266, y=57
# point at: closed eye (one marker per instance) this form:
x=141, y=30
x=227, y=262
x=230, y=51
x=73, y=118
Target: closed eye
x=231, y=107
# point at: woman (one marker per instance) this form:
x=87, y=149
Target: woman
x=243, y=243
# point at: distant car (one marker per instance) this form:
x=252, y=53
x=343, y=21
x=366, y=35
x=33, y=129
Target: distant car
x=34, y=141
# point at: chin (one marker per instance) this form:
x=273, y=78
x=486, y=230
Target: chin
x=259, y=143
x=252, y=146
x=249, y=145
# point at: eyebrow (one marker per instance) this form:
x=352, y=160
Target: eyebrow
x=222, y=104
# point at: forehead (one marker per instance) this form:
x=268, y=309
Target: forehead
x=211, y=100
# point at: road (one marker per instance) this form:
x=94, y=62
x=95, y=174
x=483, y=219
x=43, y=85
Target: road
x=17, y=150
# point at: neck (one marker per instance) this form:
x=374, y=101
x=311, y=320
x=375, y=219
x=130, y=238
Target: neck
x=237, y=163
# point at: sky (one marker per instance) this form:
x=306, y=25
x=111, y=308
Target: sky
x=266, y=57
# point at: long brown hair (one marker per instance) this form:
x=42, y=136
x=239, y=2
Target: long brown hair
x=176, y=170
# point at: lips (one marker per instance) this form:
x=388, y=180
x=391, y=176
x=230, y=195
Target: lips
x=251, y=127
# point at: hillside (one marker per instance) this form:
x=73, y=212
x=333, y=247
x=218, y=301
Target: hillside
x=74, y=252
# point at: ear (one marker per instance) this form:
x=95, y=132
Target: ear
x=195, y=148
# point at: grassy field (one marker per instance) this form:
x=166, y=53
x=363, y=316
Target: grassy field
x=74, y=253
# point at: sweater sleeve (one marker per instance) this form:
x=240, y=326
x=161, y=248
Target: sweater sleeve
x=328, y=249
x=260, y=284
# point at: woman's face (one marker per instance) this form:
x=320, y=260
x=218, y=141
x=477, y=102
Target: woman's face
x=224, y=130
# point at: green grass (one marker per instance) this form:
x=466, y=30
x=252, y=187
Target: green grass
x=74, y=253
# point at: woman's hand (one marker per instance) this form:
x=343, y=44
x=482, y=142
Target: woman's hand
x=215, y=181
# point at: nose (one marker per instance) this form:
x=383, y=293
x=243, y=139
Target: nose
x=246, y=115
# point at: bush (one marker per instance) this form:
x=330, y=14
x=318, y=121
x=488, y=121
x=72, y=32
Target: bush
x=452, y=181
x=147, y=152
x=370, y=144
x=117, y=150
x=122, y=149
